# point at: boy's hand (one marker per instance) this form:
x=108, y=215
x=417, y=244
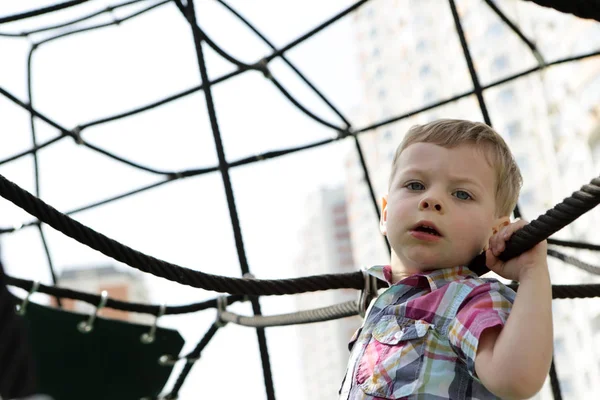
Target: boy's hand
x=515, y=268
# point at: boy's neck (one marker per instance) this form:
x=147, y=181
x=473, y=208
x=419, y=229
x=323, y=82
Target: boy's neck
x=399, y=271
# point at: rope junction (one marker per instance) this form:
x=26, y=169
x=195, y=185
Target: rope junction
x=538, y=230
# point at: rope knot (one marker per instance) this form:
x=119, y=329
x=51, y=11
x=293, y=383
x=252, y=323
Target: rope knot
x=345, y=133
x=76, y=134
x=263, y=66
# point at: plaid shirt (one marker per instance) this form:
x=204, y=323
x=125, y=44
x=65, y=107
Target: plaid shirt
x=419, y=338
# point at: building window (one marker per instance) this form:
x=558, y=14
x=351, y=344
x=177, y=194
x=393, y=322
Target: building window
x=429, y=96
x=523, y=162
x=373, y=33
x=425, y=71
x=596, y=324
x=495, y=30
x=513, y=129
x=382, y=93
x=379, y=72
x=566, y=387
x=387, y=135
x=594, y=143
x=526, y=197
x=559, y=345
x=500, y=63
x=506, y=96
x=375, y=52
x=421, y=45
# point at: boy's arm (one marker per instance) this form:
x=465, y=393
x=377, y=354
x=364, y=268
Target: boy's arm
x=513, y=361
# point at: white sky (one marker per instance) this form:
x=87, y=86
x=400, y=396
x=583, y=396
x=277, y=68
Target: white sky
x=107, y=71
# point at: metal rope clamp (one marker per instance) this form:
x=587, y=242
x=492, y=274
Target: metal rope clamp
x=88, y=326
x=221, y=308
x=20, y=309
x=368, y=293
x=149, y=337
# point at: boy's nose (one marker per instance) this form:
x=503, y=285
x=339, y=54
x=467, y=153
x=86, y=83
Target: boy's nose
x=429, y=203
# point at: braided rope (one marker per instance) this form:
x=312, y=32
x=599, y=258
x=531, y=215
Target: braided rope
x=330, y=313
x=592, y=269
x=94, y=299
x=580, y=8
x=163, y=269
x=553, y=220
x=580, y=202
x=350, y=308
x=192, y=358
x=322, y=314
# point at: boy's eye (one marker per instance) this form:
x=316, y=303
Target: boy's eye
x=461, y=194
x=415, y=186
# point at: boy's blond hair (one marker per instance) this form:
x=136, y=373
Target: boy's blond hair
x=450, y=133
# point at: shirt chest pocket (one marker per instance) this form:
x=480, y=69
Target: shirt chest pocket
x=390, y=366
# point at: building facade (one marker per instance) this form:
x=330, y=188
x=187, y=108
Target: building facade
x=120, y=285
x=325, y=248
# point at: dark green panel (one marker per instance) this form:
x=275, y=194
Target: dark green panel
x=110, y=362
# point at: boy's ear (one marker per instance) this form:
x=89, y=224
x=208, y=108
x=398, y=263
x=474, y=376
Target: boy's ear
x=383, y=219
x=500, y=223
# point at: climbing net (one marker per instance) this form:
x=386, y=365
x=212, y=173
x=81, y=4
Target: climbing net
x=248, y=288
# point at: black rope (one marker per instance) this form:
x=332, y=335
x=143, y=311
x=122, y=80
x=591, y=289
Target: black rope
x=554, y=382
x=33, y=149
x=467, y=53
x=350, y=308
x=191, y=360
x=40, y=11
x=315, y=144
x=477, y=88
x=312, y=32
x=524, y=239
x=161, y=102
x=362, y=130
x=363, y=164
x=223, y=166
x=576, y=245
x=580, y=202
x=581, y=8
x=115, y=21
x=71, y=22
x=285, y=60
x=329, y=313
x=190, y=15
x=179, y=175
x=202, y=36
x=575, y=291
x=302, y=108
x=36, y=174
x=199, y=35
x=515, y=29
x=471, y=92
x=163, y=269
x=94, y=299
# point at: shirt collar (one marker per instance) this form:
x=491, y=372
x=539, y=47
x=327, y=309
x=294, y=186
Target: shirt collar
x=434, y=279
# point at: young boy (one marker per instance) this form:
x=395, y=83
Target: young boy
x=439, y=331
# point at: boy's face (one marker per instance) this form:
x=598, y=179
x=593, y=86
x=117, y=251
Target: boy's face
x=452, y=190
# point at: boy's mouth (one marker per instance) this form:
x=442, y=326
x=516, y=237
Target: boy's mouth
x=426, y=227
